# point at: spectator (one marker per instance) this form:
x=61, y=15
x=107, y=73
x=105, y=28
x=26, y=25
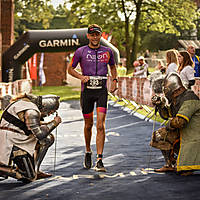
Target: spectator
x=195, y=58
x=141, y=69
x=136, y=64
x=160, y=67
x=146, y=55
x=186, y=69
x=121, y=70
x=172, y=61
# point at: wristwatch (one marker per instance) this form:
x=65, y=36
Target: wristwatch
x=115, y=80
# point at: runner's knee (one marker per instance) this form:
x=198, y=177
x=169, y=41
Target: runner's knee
x=88, y=125
x=100, y=126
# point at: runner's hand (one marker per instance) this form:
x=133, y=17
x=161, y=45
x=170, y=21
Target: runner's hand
x=113, y=87
x=85, y=79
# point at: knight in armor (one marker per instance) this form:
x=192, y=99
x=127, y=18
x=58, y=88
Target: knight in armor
x=179, y=141
x=25, y=137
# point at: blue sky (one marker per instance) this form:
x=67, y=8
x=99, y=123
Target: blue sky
x=56, y=2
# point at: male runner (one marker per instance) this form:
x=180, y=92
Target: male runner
x=94, y=59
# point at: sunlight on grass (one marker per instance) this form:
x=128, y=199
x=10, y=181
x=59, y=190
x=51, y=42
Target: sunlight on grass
x=73, y=93
x=65, y=92
x=140, y=111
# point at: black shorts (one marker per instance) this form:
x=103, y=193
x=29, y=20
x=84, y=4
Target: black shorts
x=91, y=96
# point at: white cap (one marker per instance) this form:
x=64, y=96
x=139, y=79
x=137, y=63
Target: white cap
x=141, y=58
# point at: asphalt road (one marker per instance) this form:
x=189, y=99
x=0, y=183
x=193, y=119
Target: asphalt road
x=127, y=156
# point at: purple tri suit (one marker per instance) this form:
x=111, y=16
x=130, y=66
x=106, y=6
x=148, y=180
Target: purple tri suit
x=93, y=62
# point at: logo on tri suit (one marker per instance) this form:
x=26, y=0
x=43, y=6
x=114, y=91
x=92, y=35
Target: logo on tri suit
x=102, y=57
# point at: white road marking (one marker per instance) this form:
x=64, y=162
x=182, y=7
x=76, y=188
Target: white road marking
x=112, y=133
x=104, y=175
x=123, y=126
x=132, y=173
x=120, y=116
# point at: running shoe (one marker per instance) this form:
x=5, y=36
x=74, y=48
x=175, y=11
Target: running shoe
x=88, y=160
x=99, y=167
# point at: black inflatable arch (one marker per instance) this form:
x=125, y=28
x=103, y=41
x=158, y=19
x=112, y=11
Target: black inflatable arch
x=34, y=41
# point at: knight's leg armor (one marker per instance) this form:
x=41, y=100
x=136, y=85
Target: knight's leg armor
x=24, y=162
x=42, y=147
x=6, y=171
x=23, y=166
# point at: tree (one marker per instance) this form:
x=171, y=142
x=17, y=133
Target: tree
x=165, y=16
x=125, y=18
x=32, y=12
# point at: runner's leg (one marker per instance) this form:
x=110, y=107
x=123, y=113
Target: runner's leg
x=87, y=105
x=100, y=138
x=100, y=125
x=88, y=131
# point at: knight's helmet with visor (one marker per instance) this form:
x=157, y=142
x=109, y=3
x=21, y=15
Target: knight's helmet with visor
x=46, y=103
x=172, y=82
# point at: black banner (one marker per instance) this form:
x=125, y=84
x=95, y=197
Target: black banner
x=34, y=41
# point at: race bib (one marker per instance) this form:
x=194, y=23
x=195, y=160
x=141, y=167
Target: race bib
x=95, y=82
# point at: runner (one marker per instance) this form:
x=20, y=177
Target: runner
x=94, y=59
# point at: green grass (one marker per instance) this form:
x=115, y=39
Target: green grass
x=65, y=92
x=69, y=93
x=140, y=111
x=73, y=93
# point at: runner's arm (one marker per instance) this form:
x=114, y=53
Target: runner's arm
x=76, y=74
x=114, y=81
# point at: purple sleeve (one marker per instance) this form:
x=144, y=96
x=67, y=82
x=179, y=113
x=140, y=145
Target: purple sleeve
x=111, y=61
x=76, y=58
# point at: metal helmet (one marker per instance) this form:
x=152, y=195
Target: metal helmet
x=48, y=103
x=157, y=80
x=45, y=103
x=172, y=82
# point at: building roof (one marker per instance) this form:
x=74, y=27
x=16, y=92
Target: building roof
x=186, y=43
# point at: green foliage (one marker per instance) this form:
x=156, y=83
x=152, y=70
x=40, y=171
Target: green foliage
x=102, y=12
x=32, y=12
x=60, y=23
x=37, y=15
x=152, y=40
x=133, y=24
x=171, y=17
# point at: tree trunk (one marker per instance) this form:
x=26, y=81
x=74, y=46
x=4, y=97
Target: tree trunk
x=127, y=35
x=136, y=32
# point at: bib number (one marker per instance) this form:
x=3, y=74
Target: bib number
x=95, y=82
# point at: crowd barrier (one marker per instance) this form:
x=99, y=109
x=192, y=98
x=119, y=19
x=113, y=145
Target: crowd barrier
x=138, y=92
x=15, y=88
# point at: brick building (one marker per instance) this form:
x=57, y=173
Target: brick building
x=0, y=41
x=54, y=63
x=6, y=26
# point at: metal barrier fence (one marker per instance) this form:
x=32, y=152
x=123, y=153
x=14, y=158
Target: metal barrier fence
x=138, y=92
x=15, y=88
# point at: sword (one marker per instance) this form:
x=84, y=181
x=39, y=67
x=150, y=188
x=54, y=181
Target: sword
x=150, y=150
x=55, y=149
